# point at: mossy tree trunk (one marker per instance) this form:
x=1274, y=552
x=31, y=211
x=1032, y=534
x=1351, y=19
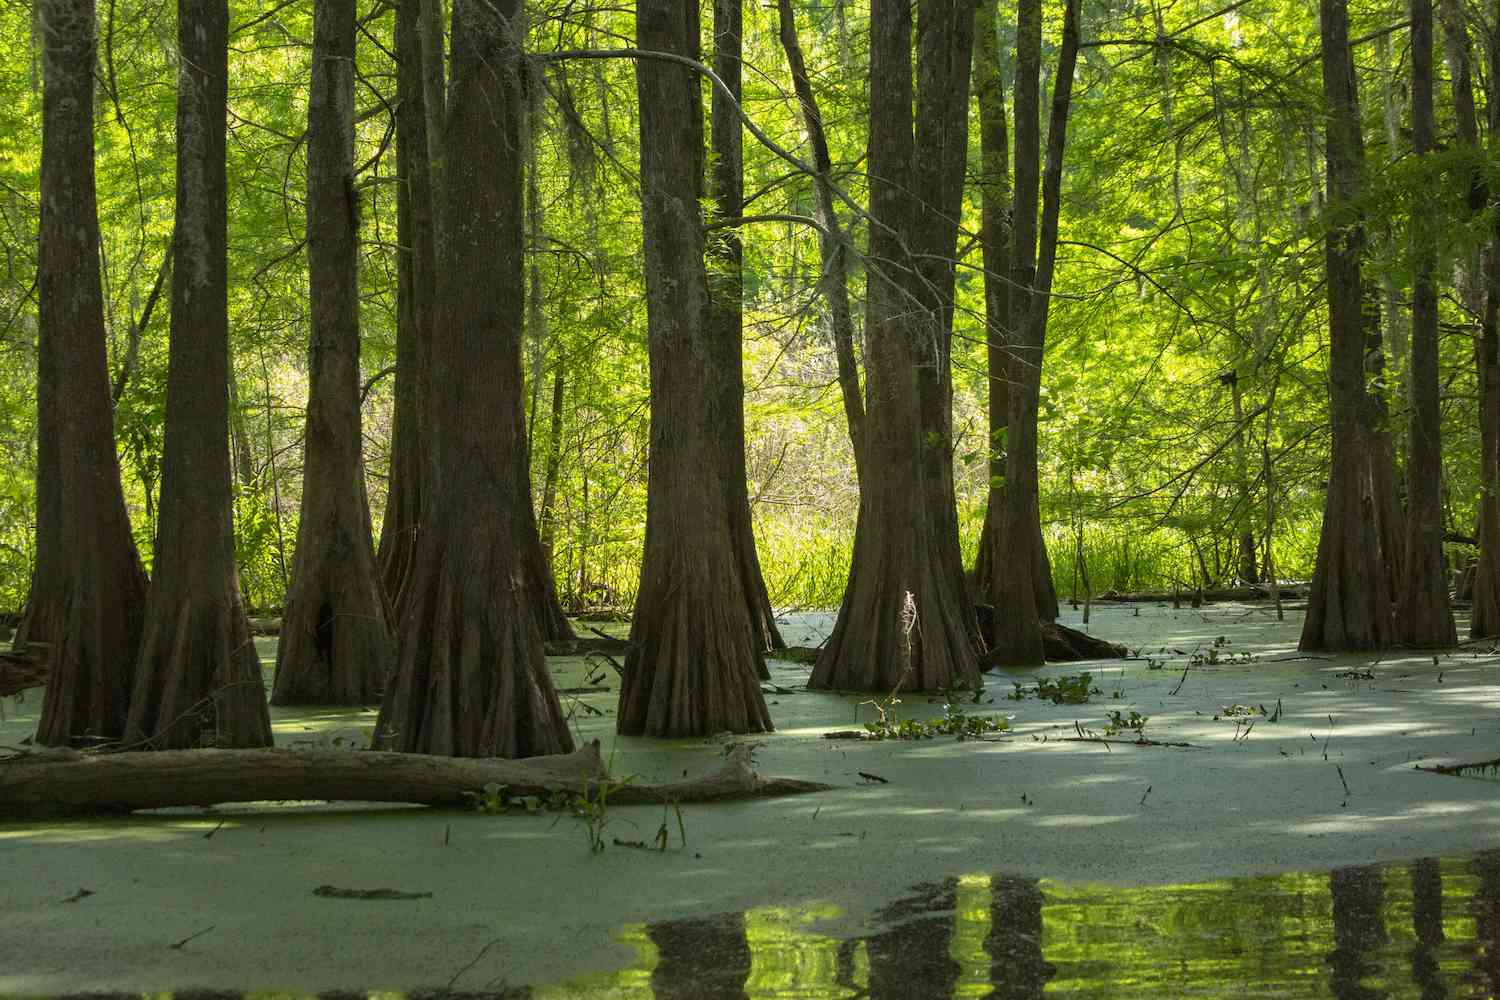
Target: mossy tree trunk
x=995, y=238
x=1023, y=589
x=416, y=292
x=694, y=662
x=336, y=646
x=906, y=618
x=833, y=241
x=198, y=677
x=1348, y=606
x=88, y=590
x=1423, y=616
x=471, y=677
x=1485, y=618
x=726, y=256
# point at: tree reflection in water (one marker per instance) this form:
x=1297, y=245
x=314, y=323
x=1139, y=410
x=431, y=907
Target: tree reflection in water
x=1428, y=929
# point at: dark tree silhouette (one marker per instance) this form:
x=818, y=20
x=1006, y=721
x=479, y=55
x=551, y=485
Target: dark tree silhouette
x=910, y=961
x=1017, y=969
x=700, y=958
x=1358, y=930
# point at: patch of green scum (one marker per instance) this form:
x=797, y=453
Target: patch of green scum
x=1069, y=689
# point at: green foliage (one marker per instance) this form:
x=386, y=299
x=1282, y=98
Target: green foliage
x=1069, y=689
x=1117, y=722
x=1191, y=248
x=953, y=722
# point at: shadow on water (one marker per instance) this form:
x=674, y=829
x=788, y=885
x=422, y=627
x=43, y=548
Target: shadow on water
x=1429, y=929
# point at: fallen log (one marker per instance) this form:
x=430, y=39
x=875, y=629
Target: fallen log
x=1473, y=767
x=69, y=782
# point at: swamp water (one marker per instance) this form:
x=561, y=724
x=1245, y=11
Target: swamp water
x=1427, y=929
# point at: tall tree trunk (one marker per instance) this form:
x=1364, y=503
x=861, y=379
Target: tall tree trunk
x=694, y=662
x=833, y=241
x=995, y=239
x=88, y=589
x=416, y=291
x=945, y=48
x=1485, y=619
x=726, y=288
x=555, y=623
x=336, y=645
x=1423, y=615
x=906, y=620
x=1245, y=554
x=471, y=676
x=1380, y=455
x=434, y=63
x=1348, y=608
x=198, y=678
x=1025, y=592
x=547, y=518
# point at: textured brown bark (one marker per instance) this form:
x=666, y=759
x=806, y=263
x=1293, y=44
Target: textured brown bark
x=833, y=241
x=66, y=781
x=547, y=517
x=416, y=292
x=1245, y=554
x=694, y=665
x=1485, y=619
x=1380, y=455
x=1025, y=596
x=726, y=258
x=1348, y=607
x=198, y=678
x=995, y=239
x=1423, y=616
x=336, y=646
x=555, y=625
x=906, y=619
x=88, y=589
x=434, y=62
x=471, y=678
